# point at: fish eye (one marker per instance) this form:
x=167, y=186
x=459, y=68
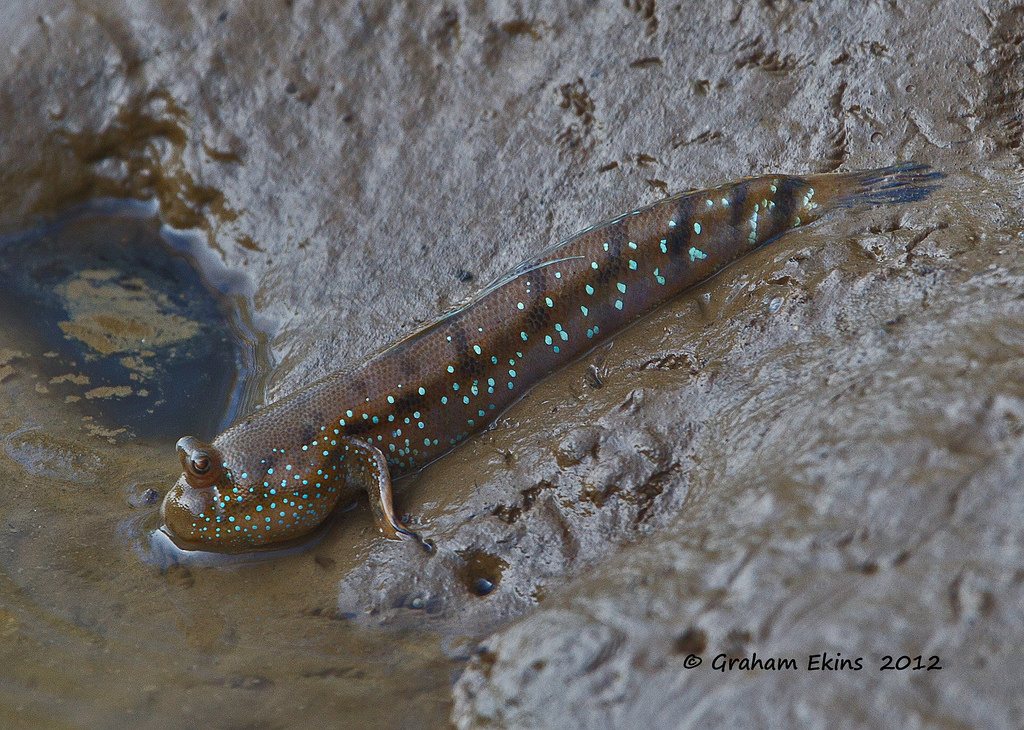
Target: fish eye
x=200, y=463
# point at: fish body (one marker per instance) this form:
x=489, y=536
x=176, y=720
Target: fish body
x=280, y=471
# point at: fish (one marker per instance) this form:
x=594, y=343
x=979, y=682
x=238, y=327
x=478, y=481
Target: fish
x=279, y=472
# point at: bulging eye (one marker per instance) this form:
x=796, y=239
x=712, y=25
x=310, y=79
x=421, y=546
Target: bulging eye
x=200, y=463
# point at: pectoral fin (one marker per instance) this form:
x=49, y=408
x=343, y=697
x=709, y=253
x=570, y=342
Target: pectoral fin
x=364, y=465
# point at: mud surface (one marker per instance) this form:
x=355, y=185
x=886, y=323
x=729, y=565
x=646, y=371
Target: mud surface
x=820, y=451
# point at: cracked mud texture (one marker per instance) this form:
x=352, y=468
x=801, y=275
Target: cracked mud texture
x=818, y=451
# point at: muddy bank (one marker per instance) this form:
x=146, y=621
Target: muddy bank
x=816, y=452
x=856, y=500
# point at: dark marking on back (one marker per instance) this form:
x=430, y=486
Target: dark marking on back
x=737, y=201
x=679, y=237
x=539, y=281
x=469, y=365
x=407, y=403
x=466, y=362
x=786, y=191
x=460, y=339
x=613, y=264
x=357, y=428
x=537, y=317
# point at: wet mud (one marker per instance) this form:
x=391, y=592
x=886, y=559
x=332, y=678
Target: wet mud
x=819, y=451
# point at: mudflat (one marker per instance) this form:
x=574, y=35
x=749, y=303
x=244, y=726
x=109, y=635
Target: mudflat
x=802, y=467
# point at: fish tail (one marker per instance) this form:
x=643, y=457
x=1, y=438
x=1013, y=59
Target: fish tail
x=812, y=196
x=907, y=182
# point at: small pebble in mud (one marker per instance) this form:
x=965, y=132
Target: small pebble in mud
x=483, y=587
x=144, y=498
x=775, y=305
x=481, y=571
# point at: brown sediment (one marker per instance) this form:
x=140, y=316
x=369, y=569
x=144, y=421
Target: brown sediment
x=118, y=391
x=70, y=378
x=111, y=316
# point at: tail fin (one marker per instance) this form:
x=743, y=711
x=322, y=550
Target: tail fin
x=907, y=182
